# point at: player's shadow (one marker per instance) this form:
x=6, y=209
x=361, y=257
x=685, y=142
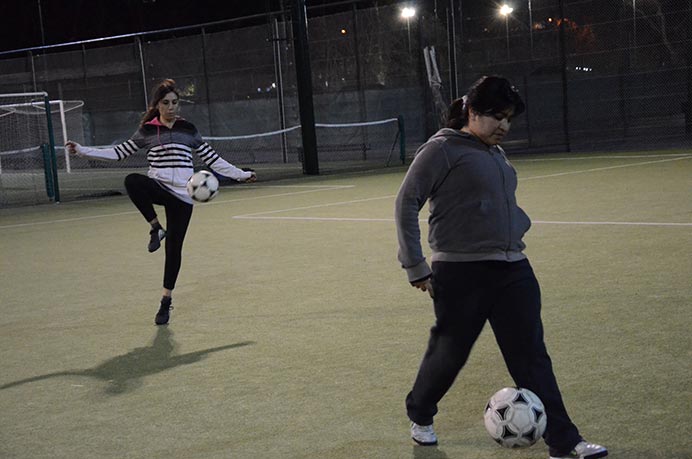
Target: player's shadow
x=126, y=372
x=428, y=452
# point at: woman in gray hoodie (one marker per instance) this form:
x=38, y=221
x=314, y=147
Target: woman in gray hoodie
x=479, y=271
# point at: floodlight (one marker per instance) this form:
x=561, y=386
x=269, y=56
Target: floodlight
x=408, y=12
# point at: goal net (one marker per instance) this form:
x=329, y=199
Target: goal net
x=340, y=147
x=28, y=141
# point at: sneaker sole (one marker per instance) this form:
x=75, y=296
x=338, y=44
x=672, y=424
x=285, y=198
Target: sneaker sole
x=590, y=456
x=423, y=443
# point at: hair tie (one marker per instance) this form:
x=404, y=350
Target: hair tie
x=463, y=100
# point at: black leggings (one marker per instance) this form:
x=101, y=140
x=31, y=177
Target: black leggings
x=508, y=296
x=144, y=193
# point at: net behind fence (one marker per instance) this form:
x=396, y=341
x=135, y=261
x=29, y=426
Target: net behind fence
x=273, y=155
x=340, y=147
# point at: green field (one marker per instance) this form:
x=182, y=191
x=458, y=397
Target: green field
x=296, y=335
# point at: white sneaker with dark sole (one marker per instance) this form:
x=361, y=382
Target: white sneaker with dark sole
x=423, y=435
x=584, y=450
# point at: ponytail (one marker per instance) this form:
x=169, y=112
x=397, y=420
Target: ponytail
x=487, y=96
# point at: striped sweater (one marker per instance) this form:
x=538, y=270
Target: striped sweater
x=169, y=153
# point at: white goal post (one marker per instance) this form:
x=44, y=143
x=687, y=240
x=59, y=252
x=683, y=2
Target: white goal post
x=24, y=124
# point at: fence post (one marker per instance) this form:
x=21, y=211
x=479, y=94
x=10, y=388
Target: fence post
x=47, y=170
x=51, y=152
x=563, y=65
x=402, y=139
x=304, y=75
x=143, y=70
x=687, y=107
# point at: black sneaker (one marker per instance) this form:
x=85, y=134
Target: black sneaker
x=164, y=314
x=156, y=236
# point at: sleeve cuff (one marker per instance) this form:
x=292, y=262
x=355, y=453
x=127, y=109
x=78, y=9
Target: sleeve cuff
x=419, y=272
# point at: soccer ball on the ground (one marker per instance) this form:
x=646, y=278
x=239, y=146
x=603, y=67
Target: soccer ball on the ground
x=515, y=417
x=203, y=186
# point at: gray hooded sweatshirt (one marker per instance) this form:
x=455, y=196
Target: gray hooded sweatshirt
x=474, y=214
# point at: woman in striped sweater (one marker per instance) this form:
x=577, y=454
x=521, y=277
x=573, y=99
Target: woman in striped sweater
x=170, y=142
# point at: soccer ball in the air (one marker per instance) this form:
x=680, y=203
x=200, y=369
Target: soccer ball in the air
x=203, y=186
x=515, y=417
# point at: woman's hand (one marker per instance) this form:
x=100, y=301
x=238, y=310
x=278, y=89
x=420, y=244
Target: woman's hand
x=72, y=147
x=424, y=285
x=253, y=176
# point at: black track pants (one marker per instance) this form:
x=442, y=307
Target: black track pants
x=144, y=193
x=508, y=296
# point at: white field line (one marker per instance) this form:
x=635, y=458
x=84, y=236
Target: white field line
x=548, y=222
x=316, y=206
x=313, y=189
x=596, y=169
x=265, y=215
x=586, y=158
x=422, y=220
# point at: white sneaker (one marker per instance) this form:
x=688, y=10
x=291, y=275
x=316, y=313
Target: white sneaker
x=423, y=435
x=585, y=450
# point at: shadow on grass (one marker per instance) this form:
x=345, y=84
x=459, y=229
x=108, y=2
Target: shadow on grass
x=126, y=372
x=428, y=452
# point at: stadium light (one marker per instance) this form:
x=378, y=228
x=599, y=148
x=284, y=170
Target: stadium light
x=506, y=10
x=407, y=13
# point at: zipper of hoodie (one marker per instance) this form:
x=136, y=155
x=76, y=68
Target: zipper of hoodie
x=504, y=192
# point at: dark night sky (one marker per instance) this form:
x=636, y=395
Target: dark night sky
x=72, y=20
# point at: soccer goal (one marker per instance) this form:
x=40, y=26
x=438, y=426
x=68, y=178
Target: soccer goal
x=31, y=126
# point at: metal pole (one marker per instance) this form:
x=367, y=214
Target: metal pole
x=40, y=21
x=304, y=80
x=563, y=65
x=688, y=47
x=402, y=139
x=634, y=31
x=359, y=81
x=51, y=143
x=210, y=114
x=280, y=87
x=33, y=71
x=528, y=112
x=531, y=28
x=144, y=73
x=451, y=38
x=61, y=106
x=460, y=34
x=507, y=33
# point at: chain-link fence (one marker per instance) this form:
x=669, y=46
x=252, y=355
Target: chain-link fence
x=596, y=75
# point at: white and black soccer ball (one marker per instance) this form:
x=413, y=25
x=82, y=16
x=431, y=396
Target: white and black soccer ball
x=203, y=186
x=515, y=417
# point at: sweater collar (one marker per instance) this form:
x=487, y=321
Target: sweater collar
x=158, y=123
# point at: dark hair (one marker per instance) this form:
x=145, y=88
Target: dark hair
x=159, y=93
x=487, y=96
